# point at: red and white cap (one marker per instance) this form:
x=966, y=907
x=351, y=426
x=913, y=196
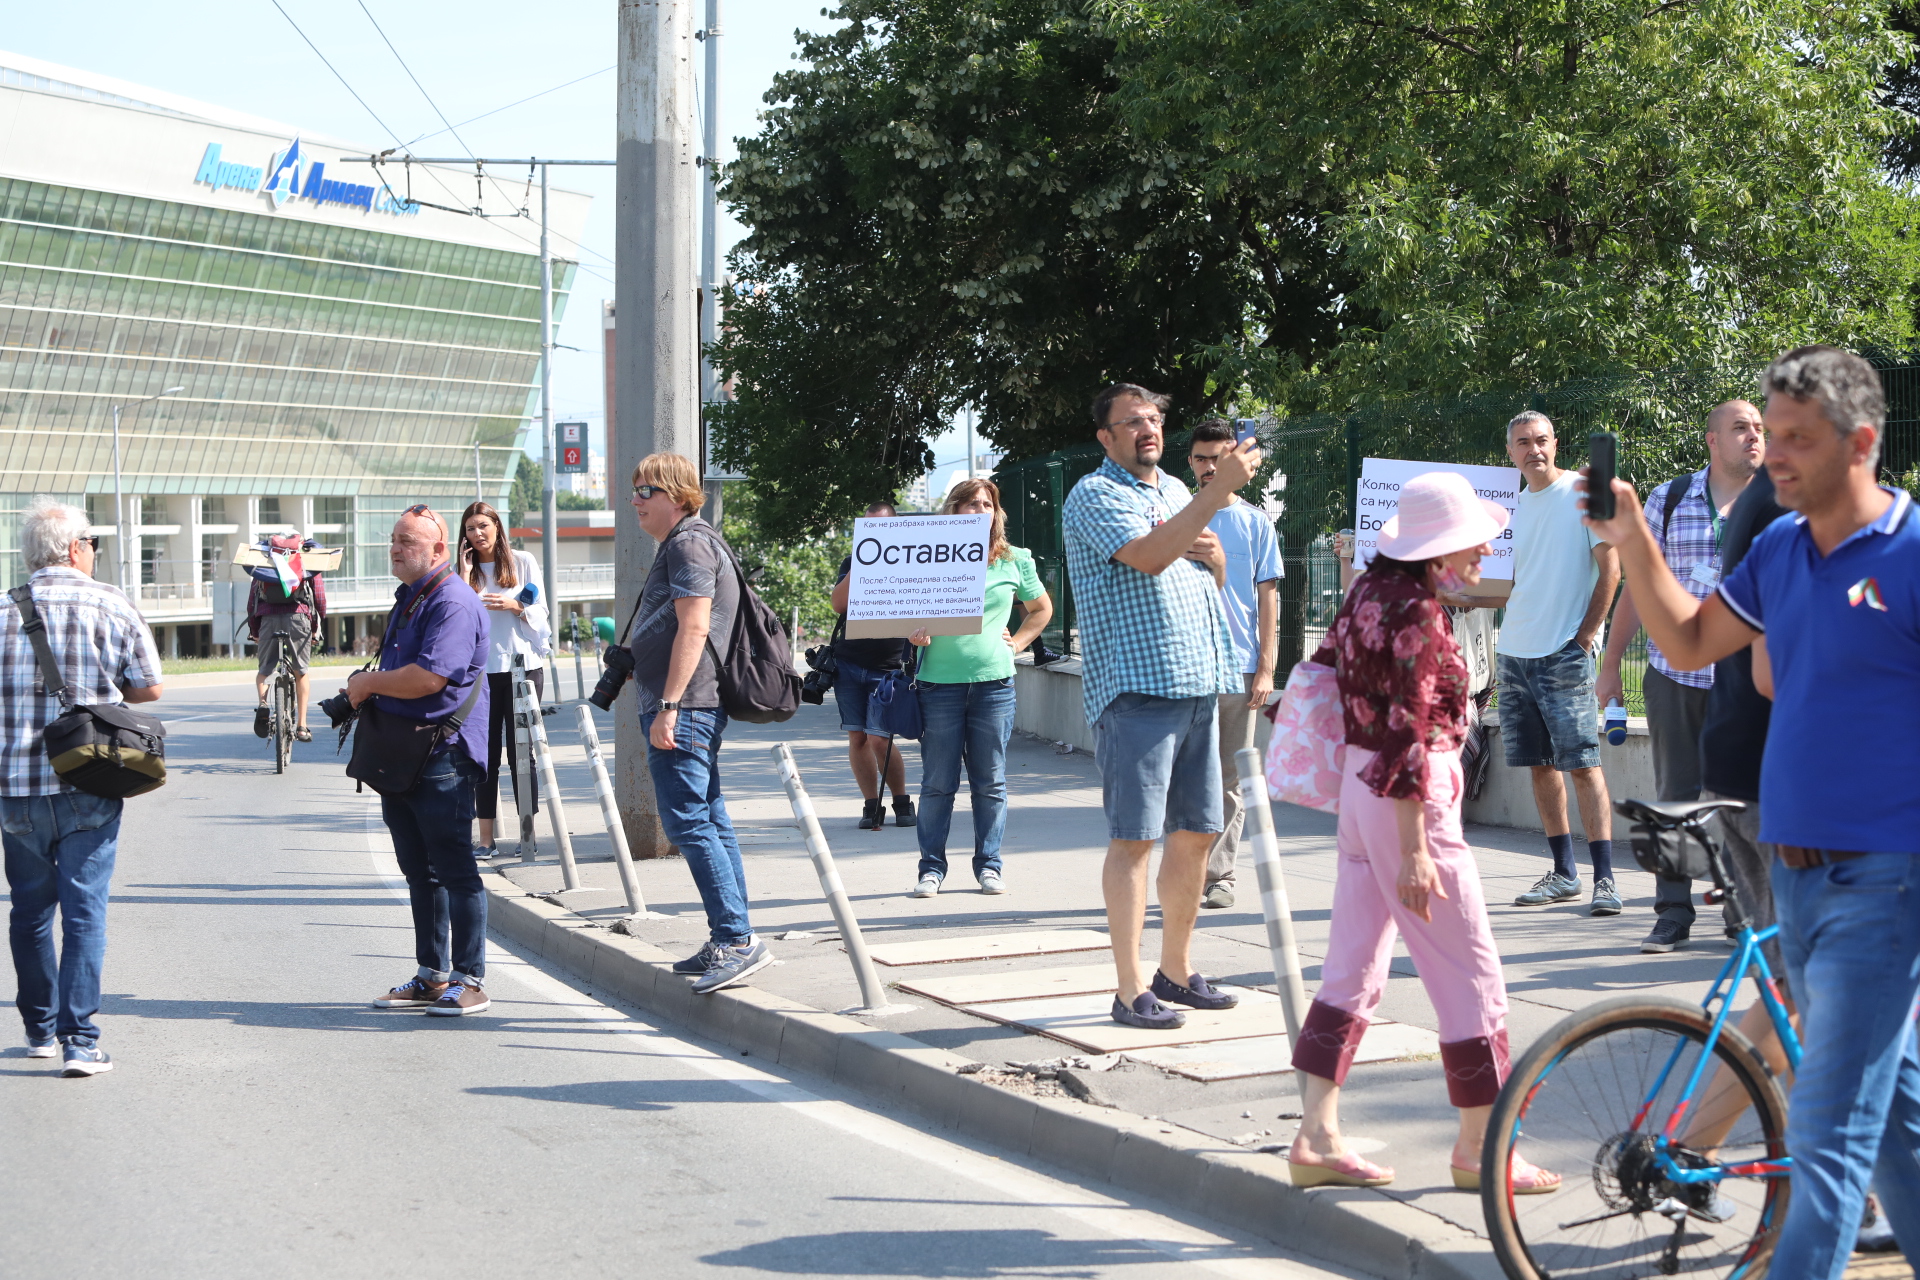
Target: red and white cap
x=1439, y=514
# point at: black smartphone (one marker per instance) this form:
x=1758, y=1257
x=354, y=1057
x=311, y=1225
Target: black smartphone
x=1601, y=468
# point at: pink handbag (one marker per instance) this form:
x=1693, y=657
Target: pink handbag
x=1308, y=751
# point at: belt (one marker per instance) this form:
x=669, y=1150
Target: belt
x=1800, y=859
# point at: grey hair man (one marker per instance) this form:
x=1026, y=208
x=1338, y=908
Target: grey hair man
x=60, y=843
x=1563, y=582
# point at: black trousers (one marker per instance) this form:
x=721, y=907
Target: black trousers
x=486, y=800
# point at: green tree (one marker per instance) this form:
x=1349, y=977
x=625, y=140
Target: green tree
x=788, y=572
x=527, y=494
x=1527, y=192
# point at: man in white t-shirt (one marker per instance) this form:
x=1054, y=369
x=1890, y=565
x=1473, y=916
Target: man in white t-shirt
x=1251, y=599
x=1564, y=578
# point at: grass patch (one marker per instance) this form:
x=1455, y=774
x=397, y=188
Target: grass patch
x=195, y=666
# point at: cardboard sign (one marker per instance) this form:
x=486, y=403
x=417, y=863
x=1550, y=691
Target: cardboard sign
x=917, y=571
x=1379, y=498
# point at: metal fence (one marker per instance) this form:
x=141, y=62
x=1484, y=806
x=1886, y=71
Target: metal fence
x=1658, y=416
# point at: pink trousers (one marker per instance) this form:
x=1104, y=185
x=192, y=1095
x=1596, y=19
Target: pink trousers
x=1454, y=953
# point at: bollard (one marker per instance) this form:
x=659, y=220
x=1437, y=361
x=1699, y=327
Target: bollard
x=872, y=991
x=523, y=783
x=609, y=810
x=1273, y=896
x=579, y=673
x=556, y=812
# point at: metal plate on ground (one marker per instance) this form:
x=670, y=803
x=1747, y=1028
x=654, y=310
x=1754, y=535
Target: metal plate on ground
x=1020, y=984
x=1270, y=1055
x=1086, y=1022
x=988, y=946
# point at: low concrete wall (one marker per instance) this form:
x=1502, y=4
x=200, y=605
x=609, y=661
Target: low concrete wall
x=1049, y=706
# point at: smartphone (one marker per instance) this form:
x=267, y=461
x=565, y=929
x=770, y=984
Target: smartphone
x=1601, y=468
x=1244, y=429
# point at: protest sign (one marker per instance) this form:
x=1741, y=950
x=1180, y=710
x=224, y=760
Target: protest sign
x=917, y=571
x=1379, y=498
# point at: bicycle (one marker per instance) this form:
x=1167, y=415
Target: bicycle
x=1670, y=1188
x=280, y=702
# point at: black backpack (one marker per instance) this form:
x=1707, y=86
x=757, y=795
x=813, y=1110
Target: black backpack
x=757, y=681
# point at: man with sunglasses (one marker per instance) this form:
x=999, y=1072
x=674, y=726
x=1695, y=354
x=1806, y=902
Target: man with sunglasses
x=432, y=657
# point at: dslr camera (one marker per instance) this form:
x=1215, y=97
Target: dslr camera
x=822, y=670
x=617, y=670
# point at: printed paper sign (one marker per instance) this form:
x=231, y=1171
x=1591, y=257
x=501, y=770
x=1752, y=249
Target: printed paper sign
x=1379, y=498
x=918, y=571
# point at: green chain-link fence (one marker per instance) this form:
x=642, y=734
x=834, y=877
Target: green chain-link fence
x=1659, y=417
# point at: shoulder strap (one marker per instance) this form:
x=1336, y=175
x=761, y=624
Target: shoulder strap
x=1676, y=490
x=451, y=725
x=36, y=629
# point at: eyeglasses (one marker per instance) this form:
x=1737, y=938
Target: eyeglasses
x=91, y=539
x=1137, y=423
x=645, y=491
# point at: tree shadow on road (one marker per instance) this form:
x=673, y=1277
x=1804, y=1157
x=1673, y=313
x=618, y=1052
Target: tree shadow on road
x=978, y=1253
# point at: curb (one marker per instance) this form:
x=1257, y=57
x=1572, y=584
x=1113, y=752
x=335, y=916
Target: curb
x=1191, y=1171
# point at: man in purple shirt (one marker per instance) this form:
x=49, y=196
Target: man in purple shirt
x=431, y=657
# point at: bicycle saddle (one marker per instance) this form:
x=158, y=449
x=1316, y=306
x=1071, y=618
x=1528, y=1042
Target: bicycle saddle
x=1673, y=813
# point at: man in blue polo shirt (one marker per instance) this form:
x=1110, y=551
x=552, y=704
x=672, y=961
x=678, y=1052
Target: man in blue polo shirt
x=1829, y=599
x=432, y=657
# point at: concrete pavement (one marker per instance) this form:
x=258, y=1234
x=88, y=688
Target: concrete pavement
x=261, y=1119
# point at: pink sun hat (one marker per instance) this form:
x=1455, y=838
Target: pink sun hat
x=1439, y=514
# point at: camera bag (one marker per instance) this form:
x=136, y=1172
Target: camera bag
x=109, y=750
x=390, y=751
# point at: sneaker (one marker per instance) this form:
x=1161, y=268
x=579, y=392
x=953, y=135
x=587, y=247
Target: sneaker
x=927, y=886
x=260, y=718
x=991, y=883
x=1147, y=1013
x=1666, y=935
x=42, y=1049
x=84, y=1058
x=1219, y=894
x=463, y=997
x=414, y=993
x=903, y=815
x=1197, y=994
x=874, y=815
x=1876, y=1236
x=736, y=964
x=1551, y=887
x=1606, y=898
x=700, y=961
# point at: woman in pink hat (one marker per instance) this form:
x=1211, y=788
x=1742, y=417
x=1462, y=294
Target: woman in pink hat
x=1403, y=864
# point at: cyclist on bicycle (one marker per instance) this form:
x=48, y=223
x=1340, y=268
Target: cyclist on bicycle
x=272, y=612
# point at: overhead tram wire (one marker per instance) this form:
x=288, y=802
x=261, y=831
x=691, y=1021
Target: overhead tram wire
x=510, y=106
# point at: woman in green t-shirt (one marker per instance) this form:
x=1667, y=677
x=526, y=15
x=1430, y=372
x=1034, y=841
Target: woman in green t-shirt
x=966, y=702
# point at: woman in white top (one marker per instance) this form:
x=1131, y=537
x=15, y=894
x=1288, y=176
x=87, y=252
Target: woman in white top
x=509, y=585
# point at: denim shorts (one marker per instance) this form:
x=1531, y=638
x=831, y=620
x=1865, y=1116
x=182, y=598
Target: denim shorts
x=1547, y=712
x=1159, y=765
x=853, y=687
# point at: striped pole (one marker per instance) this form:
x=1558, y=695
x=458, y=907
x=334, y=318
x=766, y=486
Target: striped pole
x=873, y=993
x=1273, y=893
x=556, y=812
x=610, y=810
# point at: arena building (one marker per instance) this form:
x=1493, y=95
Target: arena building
x=343, y=350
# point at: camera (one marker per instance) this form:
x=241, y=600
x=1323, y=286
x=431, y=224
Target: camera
x=618, y=660
x=825, y=668
x=339, y=710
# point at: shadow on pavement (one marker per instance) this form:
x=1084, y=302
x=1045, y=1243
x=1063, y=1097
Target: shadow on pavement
x=983, y=1253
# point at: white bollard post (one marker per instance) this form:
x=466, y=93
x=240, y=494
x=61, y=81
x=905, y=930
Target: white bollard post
x=872, y=991
x=609, y=810
x=523, y=780
x=556, y=812
x=1273, y=895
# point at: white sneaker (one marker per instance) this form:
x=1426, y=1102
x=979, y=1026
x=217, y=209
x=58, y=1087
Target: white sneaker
x=51, y=1049
x=990, y=882
x=928, y=886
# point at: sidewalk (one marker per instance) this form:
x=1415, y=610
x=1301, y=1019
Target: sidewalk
x=1558, y=959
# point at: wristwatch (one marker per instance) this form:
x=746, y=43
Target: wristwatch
x=669, y=706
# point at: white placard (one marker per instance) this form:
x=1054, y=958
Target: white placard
x=918, y=571
x=1379, y=498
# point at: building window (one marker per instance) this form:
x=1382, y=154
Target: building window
x=100, y=508
x=270, y=511
x=213, y=511
x=153, y=510
x=151, y=549
x=335, y=511
x=213, y=548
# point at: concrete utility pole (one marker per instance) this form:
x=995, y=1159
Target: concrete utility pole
x=710, y=250
x=657, y=378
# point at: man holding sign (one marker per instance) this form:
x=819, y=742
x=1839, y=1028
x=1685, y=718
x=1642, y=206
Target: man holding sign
x=1146, y=574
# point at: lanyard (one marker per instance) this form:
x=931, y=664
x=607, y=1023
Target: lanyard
x=433, y=583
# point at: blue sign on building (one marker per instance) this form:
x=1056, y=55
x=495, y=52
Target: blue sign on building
x=291, y=176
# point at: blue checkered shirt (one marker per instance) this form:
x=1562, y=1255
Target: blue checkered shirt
x=1688, y=541
x=100, y=641
x=1161, y=635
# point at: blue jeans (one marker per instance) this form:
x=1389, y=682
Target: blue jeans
x=686, y=788
x=1850, y=932
x=853, y=687
x=432, y=829
x=59, y=852
x=970, y=723
x=1548, y=715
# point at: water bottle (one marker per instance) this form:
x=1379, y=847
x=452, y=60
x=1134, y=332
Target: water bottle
x=1616, y=722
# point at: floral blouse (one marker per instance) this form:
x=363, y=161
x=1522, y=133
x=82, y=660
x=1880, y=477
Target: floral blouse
x=1403, y=683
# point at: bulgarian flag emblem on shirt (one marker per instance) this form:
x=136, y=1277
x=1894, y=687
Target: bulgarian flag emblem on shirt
x=1867, y=592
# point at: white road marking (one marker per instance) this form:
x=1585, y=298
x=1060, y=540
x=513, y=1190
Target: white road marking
x=1116, y=1219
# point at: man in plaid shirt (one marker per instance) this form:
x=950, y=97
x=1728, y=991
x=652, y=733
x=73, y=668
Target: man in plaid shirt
x=1688, y=517
x=1146, y=573
x=59, y=842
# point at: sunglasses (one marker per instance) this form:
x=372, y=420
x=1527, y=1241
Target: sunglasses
x=91, y=539
x=418, y=509
x=645, y=491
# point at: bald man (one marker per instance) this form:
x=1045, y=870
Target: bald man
x=1688, y=518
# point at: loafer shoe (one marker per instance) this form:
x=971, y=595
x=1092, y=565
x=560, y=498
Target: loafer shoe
x=1147, y=1013
x=1197, y=994
x=1551, y=887
x=1219, y=894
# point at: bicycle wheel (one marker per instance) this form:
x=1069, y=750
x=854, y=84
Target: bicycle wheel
x=1587, y=1101
x=283, y=715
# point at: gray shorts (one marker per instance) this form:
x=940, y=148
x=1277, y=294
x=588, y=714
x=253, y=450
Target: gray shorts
x=1159, y=765
x=298, y=629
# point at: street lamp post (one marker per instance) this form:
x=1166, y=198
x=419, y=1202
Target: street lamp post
x=119, y=500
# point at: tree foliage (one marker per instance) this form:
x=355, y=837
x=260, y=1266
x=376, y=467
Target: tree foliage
x=788, y=573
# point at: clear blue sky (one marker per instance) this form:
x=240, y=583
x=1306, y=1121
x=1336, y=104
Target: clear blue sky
x=471, y=56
